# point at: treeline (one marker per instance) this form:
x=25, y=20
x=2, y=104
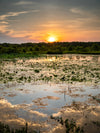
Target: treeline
x=51, y=48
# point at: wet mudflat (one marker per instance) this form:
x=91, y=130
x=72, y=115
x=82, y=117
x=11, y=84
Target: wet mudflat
x=37, y=90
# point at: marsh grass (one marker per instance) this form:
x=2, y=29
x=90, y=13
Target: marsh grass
x=50, y=69
x=70, y=125
x=36, y=70
x=95, y=98
x=6, y=129
x=97, y=123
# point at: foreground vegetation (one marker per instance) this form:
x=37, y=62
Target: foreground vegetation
x=70, y=126
x=34, y=49
x=6, y=129
x=80, y=69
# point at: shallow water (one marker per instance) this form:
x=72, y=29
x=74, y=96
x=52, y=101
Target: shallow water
x=42, y=96
x=46, y=98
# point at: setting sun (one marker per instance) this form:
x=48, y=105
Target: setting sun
x=51, y=39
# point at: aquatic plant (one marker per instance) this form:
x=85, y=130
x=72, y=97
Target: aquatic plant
x=96, y=123
x=6, y=129
x=71, y=126
x=37, y=70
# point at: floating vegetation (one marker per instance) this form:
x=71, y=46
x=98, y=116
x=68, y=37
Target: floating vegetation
x=36, y=70
x=60, y=69
x=97, y=99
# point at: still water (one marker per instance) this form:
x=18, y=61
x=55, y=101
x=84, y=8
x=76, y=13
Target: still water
x=37, y=101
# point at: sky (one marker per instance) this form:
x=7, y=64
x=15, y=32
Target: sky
x=37, y=20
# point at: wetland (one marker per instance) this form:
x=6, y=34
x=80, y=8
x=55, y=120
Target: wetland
x=48, y=92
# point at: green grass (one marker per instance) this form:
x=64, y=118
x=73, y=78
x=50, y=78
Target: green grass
x=28, y=50
x=16, y=55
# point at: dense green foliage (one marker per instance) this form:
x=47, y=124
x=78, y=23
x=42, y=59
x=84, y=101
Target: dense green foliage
x=31, y=49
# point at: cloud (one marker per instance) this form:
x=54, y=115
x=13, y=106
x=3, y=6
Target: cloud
x=76, y=10
x=39, y=114
x=9, y=14
x=13, y=14
x=24, y=3
x=4, y=29
x=4, y=23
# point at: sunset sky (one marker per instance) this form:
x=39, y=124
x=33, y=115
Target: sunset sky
x=37, y=20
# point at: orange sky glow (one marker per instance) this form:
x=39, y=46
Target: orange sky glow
x=36, y=21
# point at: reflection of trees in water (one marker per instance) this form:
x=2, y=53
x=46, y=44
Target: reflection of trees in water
x=67, y=90
x=95, y=58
